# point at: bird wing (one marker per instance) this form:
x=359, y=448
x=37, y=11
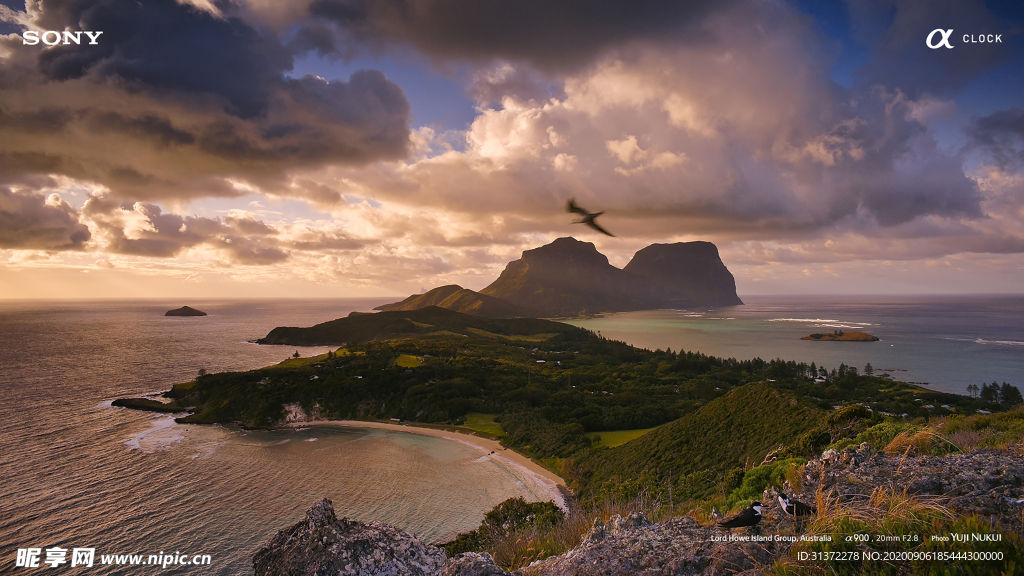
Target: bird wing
x=572, y=207
x=745, y=518
x=595, y=226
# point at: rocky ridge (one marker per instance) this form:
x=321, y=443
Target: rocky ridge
x=322, y=545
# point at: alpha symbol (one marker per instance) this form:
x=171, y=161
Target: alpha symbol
x=945, y=38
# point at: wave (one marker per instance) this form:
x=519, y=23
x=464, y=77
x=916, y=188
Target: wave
x=1002, y=342
x=824, y=322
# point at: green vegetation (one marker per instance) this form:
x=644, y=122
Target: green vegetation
x=483, y=423
x=409, y=323
x=512, y=517
x=147, y=404
x=408, y=361
x=613, y=438
x=694, y=452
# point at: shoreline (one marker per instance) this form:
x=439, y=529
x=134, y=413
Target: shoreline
x=511, y=460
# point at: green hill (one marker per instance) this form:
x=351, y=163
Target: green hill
x=428, y=321
x=732, y=431
x=459, y=299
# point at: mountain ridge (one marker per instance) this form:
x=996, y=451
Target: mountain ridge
x=568, y=277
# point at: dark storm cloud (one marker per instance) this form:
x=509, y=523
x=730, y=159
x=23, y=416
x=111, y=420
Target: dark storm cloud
x=174, y=100
x=1001, y=134
x=163, y=46
x=32, y=221
x=551, y=35
x=896, y=30
x=903, y=174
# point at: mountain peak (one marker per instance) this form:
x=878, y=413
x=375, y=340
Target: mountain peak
x=567, y=249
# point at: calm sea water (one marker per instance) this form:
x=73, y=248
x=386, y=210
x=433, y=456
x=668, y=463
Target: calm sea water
x=946, y=341
x=75, y=472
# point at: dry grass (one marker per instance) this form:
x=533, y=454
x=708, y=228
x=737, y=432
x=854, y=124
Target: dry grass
x=521, y=548
x=894, y=521
x=920, y=442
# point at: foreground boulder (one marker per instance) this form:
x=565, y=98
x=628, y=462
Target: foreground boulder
x=634, y=546
x=323, y=545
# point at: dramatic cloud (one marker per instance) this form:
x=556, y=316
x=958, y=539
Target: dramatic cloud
x=744, y=136
x=186, y=147
x=1001, y=134
x=32, y=221
x=550, y=35
x=176, y=101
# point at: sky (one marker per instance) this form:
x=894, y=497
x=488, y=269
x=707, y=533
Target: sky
x=353, y=148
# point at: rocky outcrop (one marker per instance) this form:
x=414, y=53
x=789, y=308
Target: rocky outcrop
x=988, y=482
x=634, y=546
x=322, y=545
x=685, y=274
x=568, y=277
x=474, y=564
x=185, y=311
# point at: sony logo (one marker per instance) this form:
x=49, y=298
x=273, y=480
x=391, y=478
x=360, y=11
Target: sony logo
x=53, y=37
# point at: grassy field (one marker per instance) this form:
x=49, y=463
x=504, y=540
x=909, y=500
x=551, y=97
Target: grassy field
x=407, y=361
x=534, y=338
x=483, y=423
x=613, y=438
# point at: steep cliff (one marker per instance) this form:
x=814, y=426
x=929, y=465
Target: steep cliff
x=568, y=277
x=685, y=274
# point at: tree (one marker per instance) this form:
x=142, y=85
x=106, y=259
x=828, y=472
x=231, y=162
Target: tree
x=869, y=370
x=990, y=393
x=1010, y=395
x=296, y=355
x=972, y=390
x=202, y=372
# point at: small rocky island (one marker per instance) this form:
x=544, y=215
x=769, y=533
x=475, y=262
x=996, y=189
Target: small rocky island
x=185, y=311
x=840, y=336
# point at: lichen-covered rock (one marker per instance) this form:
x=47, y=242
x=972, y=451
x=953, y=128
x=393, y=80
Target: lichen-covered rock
x=986, y=482
x=633, y=546
x=473, y=564
x=323, y=545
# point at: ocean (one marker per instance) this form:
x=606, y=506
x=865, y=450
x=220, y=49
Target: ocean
x=944, y=342
x=77, y=472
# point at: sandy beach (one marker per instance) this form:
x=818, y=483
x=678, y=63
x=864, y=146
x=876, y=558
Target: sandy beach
x=527, y=470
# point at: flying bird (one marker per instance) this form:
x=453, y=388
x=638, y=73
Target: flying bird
x=749, y=517
x=795, y=508
x=587, y=217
